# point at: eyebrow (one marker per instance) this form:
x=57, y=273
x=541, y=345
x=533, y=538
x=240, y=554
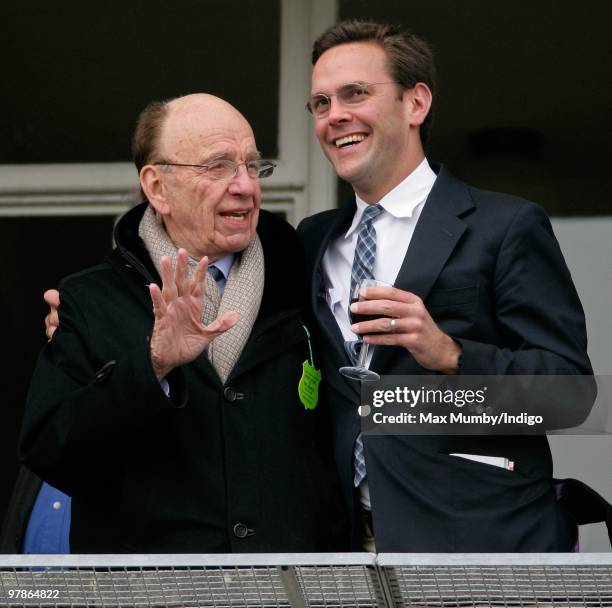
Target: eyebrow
x=346, y=84
x=216, y=156
x=227, y=155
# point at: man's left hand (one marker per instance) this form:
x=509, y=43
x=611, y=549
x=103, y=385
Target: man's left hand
x=413, y=328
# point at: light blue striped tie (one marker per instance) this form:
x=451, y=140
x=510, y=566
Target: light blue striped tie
x=363, y=268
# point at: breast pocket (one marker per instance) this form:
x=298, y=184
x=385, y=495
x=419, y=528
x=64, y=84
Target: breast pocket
x=453, y=303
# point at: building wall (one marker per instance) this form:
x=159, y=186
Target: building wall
x=587, y=248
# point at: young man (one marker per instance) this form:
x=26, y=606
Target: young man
x=480, y=287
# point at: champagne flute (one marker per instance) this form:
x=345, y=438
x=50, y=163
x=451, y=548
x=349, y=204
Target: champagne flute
x=360, y=371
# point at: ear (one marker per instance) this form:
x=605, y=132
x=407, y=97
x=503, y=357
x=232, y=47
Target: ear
x=421, y=98
x=152, y=184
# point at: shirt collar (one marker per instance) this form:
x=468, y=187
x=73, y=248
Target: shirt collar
x=403, y=199
x=224, y=264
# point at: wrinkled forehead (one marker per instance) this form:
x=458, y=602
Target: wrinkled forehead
x=204, y=130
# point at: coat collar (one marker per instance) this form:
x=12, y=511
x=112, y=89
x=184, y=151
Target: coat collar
x=285, y=287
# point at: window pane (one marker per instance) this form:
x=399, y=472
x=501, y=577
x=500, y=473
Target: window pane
x=79, y=73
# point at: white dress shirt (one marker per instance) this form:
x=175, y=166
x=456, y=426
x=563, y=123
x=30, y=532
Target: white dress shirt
x=394, y=229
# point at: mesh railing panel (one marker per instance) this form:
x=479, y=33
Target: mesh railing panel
x=318, y=586
x=148, y=587
x=532, y=585
x=350, y=586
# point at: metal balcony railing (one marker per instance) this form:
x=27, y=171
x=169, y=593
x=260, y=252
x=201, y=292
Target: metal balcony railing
x=323, y=580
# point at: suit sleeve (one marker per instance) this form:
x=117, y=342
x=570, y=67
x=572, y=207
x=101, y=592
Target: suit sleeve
x=540, y=324
x=83, y=413
x=536, y=307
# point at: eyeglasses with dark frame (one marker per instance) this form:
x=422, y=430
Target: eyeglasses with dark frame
x=350, y=94
x=228, y=169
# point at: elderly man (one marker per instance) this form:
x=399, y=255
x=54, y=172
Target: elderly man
x=172, y=415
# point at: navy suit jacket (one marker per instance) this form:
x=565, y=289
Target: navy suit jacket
x=491, y=274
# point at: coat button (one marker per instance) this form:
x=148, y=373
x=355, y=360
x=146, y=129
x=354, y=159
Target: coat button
x=241, y=531
x=232, y=394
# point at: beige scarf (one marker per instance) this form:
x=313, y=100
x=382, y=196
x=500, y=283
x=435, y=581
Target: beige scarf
x=243, y=291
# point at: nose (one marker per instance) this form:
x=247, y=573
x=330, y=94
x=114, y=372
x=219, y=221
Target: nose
x=338, y=111
x=243, y=185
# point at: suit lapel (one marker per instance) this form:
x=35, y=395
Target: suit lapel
x=331, y=332
x=437, y=233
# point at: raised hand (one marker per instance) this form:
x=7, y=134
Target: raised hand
x=407, y=323
x=178, y=333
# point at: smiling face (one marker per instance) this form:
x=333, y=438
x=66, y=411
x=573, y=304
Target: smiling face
x=374, y=144
x=203, y=215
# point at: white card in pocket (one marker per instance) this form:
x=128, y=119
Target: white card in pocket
x=495, y=461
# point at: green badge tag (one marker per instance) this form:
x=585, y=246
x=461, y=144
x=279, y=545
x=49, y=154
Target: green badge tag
x=308, y=388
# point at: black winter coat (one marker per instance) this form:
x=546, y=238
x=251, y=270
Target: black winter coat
x=213, y=468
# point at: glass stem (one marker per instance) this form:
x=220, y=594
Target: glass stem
x=363, y=355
